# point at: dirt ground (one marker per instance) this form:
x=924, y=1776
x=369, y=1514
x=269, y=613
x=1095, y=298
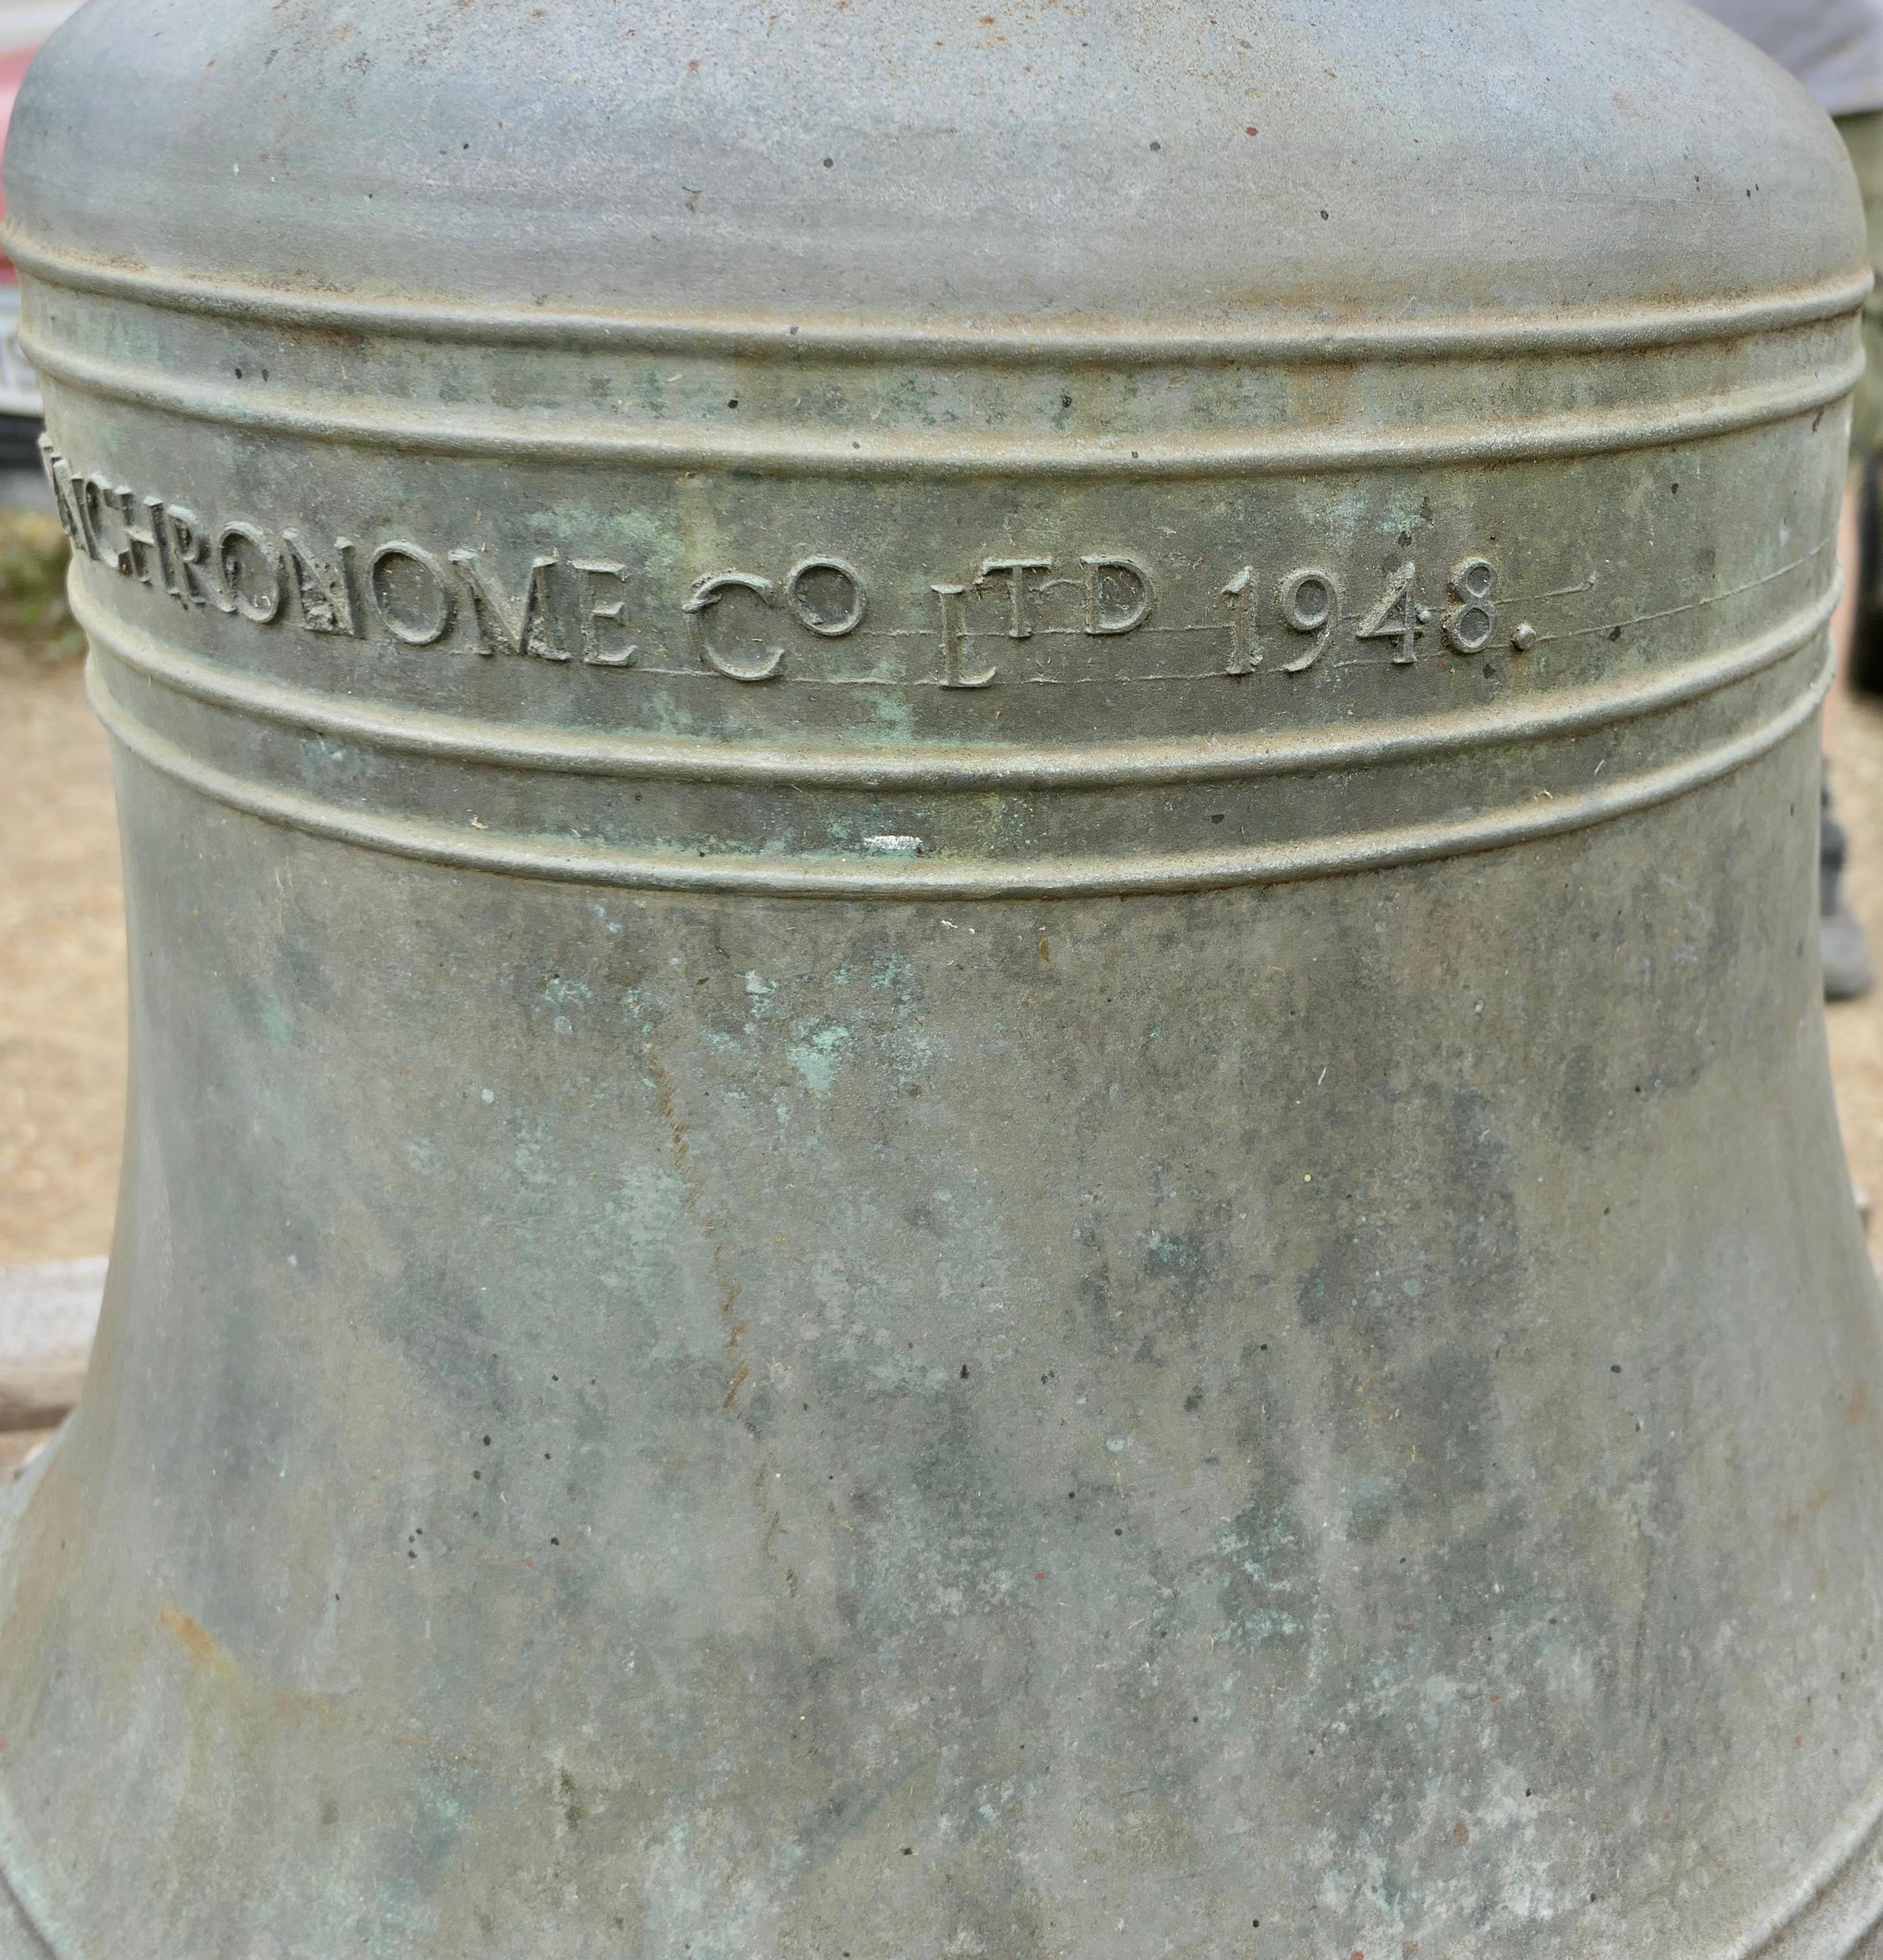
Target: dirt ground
x=62, y=968
x=61, y=961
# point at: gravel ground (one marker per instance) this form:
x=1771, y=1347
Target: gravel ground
x=62, y=968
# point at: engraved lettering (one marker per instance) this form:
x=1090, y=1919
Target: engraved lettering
x=65, y=498
x=323, y=593
x=189, y=555
x=251, y=569
x=1016, y=569
x=95, y=497
x=1310, y=603
x=953, y=674
x=706, y=594
x=1468, y=626
x=144, y=547
x=521, y=626
x=160, y=540
x=1240, y=594
x=399, y=590
x=1104, y=574
x=1395, y=618
x=411, y=593
x=596, y=652
x=826, y=595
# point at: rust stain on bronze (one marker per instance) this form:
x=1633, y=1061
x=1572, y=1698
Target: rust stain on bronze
x=189, y=1634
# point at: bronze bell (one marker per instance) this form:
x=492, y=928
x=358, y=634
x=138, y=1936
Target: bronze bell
x=978, y=1102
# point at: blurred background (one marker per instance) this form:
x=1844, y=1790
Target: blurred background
x=61, y=912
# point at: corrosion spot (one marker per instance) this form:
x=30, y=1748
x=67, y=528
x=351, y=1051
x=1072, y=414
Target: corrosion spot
x=181, y=1627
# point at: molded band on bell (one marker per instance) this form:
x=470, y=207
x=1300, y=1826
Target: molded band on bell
x=954, y=877
x=485, y=431
x=984, y=766
x=1596, y=330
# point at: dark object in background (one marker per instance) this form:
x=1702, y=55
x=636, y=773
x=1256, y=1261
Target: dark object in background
x=19, y=442
x=1866, y=627
x=1846, y=952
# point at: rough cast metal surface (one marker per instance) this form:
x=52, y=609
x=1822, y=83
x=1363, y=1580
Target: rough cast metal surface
x=977, y=1102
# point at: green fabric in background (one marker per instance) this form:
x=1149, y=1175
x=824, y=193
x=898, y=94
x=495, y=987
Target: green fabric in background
x=1863, y=137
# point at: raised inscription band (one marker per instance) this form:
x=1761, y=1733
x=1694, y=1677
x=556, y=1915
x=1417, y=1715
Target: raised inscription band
x=1173, y=822
x=934, y=610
